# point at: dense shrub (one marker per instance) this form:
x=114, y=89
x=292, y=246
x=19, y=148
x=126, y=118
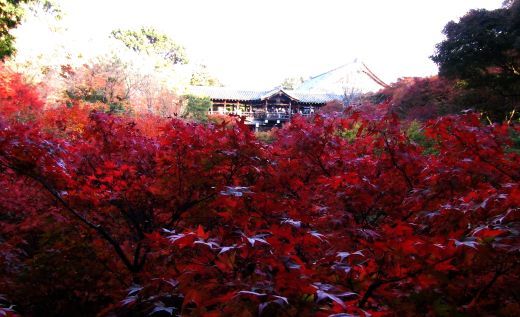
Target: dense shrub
x=109, y=215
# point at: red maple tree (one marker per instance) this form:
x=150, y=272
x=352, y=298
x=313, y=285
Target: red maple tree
x=338, y=216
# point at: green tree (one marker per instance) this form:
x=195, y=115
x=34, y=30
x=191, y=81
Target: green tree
x=11, y=13
x=483, y=50
x=197, y=107
x=149, y=41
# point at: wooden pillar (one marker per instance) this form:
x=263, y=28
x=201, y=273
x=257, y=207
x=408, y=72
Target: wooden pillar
x=290, y=108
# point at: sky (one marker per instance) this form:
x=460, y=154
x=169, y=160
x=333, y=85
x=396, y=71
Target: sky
x=256, y=44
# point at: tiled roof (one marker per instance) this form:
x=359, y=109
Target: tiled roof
x=354, y=76
x=227, y=93
x=306, y=97
x=221, y=93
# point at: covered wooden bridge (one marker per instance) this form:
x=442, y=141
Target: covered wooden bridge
x=263, y=108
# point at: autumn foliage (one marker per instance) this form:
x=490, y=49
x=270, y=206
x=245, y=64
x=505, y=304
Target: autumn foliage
x=416, y=98
x=103, y=214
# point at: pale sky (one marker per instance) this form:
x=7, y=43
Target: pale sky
x=257, y=44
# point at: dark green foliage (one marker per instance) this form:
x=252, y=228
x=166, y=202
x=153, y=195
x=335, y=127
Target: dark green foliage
x=482, y=50
x=197, y=107
x=11, y=14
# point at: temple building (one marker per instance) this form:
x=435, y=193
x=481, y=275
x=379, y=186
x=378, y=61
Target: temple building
x=268, y=108
x=263, y=108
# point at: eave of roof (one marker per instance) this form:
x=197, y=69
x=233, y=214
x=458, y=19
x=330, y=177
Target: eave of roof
x=278, y=91
x=224, y=93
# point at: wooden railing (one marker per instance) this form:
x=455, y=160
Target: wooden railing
x=268, y=115
x=262, y=115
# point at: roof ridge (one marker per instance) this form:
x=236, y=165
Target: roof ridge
x=335, y=69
